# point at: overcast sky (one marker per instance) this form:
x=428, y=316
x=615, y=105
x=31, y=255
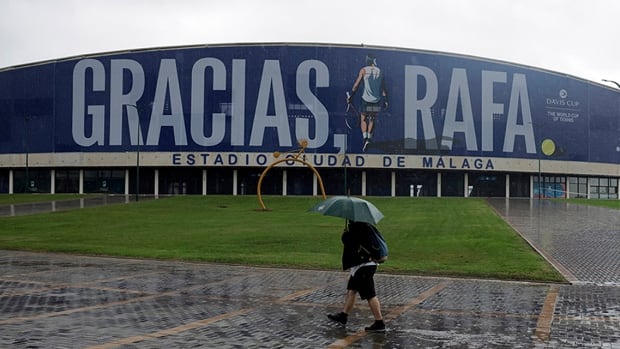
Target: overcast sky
x=575, y=37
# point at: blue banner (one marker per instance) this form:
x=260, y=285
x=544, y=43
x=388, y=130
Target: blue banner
x=262, y=98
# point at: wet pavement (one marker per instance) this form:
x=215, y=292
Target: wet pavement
x=65, y=301
x=67, y=204
x=582, y=242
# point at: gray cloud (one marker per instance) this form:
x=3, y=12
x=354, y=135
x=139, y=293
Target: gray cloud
x=576, y=37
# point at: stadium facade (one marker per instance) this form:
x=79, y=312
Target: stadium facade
x=208, y=119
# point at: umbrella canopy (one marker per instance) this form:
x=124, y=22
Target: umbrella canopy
x=351, y=208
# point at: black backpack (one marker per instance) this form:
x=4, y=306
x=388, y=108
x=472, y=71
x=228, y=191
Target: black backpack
x=373, y=243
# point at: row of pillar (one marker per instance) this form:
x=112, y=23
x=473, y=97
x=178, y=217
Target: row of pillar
x=414, y=191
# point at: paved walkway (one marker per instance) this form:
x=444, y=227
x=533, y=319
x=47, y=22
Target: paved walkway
x=582, y=242
x=63, y=301
x=67, y=204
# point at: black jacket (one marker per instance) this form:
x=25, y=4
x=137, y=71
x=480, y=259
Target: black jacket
x=352, y=239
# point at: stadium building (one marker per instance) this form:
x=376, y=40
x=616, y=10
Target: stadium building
x=208, y=120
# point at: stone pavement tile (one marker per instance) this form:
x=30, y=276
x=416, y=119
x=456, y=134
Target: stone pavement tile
x=418, y=329
x=587, y=316
x=581, y=241
x=151, y=304
x=56, y=300
x=13, y=287
x=489, y=297
x=268, y=284
x=67, y=204
x=107, y=324
x=11, y=265
x=392, y=290
x=462, y=314
x=267, y=326
x=177, y=276
x=76, y=269
x=396, y=290
x=468, y=314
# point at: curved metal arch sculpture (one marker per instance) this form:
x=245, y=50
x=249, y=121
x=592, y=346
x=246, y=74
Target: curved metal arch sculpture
x=295, y=158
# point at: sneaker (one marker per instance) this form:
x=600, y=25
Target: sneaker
x=365, y=145
x=340, y=317
x=377, y=326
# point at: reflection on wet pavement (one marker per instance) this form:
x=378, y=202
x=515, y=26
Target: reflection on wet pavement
x=65, y=205
x=63, y=301
x=581, y=241
x=66, y=301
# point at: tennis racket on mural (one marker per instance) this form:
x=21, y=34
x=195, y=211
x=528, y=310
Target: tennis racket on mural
x=351, y=116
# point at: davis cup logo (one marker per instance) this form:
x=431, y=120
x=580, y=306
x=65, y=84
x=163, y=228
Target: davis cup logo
x=563, y=93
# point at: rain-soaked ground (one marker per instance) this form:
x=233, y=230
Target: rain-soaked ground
x=63, y=301
x=67, y=204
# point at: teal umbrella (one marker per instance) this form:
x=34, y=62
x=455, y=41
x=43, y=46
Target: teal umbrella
x=351, y=208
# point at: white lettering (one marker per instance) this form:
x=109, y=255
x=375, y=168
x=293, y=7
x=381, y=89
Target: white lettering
x=459, y=92
x=453, y=163
x=167, y=86
x=218, y=123
x=519, y=99
x=97, y=112
x=218, y=89
x=119, y=99
x=271, y=83
x=237, y=123
x=415, y=104
x=318, y=110
x=489, y=108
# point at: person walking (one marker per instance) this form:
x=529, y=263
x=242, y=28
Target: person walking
x=361, y=280
x=373, y=93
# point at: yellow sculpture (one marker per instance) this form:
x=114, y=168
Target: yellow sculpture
x=303, y=143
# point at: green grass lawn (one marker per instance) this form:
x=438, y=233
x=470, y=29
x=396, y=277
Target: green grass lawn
x=430, y=236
